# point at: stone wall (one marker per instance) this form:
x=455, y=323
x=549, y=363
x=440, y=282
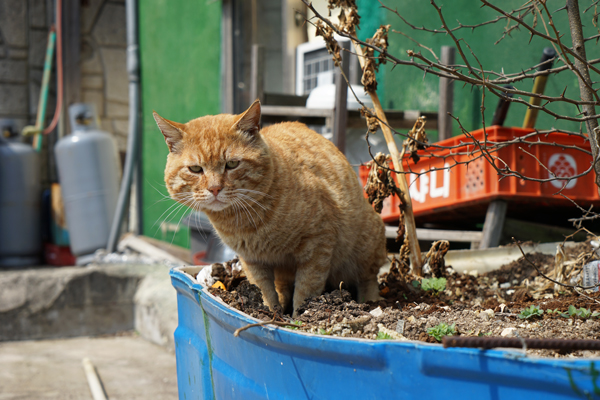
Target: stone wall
x=23, y=35
x=24, y=26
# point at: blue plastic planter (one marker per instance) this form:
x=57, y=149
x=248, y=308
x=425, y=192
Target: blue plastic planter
x=273, y=363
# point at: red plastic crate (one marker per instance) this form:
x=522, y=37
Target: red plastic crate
x=468, y=188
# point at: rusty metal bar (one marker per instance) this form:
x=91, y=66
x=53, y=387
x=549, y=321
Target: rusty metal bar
x=495, y=342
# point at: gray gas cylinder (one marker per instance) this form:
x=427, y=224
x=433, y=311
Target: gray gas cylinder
x=20, y=197
x=89, y=174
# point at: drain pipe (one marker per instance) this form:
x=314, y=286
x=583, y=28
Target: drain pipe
x=133, y=140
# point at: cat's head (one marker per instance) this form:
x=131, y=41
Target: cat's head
x=216, y=162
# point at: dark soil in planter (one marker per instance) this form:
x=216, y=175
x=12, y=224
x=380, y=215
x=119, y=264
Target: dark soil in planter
x=475, y=305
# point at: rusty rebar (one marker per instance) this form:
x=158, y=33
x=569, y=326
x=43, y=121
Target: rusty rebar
x=495, y=342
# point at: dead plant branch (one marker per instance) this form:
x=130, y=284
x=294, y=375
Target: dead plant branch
x=272, y=322
x=546, y=276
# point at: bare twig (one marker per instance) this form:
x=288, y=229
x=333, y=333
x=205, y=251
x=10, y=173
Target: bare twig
x=272, y=322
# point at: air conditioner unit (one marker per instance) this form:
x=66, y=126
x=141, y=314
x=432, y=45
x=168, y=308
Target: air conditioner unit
x=312, y=58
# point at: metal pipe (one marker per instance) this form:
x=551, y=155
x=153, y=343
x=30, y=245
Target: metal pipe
x=133, y=139
x=43, y=101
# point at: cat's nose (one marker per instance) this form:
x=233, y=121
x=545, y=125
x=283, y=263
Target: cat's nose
x=215, y=190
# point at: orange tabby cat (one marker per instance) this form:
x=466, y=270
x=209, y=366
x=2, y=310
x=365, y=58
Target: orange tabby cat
x=284, y=198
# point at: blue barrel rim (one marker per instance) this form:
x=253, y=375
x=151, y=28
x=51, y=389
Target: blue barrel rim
x=270, y=332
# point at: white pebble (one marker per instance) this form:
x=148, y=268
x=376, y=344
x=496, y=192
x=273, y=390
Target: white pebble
x=509, y=332
x=376, y=312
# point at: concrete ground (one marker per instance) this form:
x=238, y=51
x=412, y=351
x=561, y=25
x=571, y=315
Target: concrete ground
x=51, y=318
x=130, y=368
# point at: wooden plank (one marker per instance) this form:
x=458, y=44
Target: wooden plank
x=340, y=111
x=290, y=111
x=176, y=251
x=270, y=120
x=316, y=116
x=280, y=99
x=537, y=232
x=257, y=69
x=439, y=234
x=493, y=225
x=143, y=246
x=446, y=103
x=396, y=119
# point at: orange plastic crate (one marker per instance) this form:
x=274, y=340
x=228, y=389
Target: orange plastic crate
x=468, y=188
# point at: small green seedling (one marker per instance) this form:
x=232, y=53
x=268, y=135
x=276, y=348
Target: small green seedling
x=436, y=285
x=324, y=332
x=531, y=312
x=298, y=323
x=582, y=313
x=441, y=330
x=383, y=336
x=555, y=311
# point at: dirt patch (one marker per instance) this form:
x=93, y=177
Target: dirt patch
x=489, y=304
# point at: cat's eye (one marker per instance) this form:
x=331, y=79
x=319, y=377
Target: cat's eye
x=195, y=169
x=232, y=164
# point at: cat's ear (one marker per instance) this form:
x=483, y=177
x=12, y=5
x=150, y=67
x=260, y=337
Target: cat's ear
x=170, y=130
x=249, y=122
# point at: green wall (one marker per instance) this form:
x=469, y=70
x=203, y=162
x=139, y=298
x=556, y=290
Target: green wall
x=180, y=52
x=406, y=87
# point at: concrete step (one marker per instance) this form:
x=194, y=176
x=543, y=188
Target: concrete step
x=44, y=303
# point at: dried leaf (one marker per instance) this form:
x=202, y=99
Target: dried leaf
x=332, y=45
x=417, y=139
x=435, y=257
x=380, y=184
x=372, y=121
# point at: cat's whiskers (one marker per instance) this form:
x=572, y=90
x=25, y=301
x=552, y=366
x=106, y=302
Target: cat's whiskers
x=248, y=205
x=157, y=189
x=198, y=223
x=167, y=196
x=190, y=202
x=175, y=208
x=180, y=201
x=257, y=214
x=239, y=202
x=236, y=212
x=252, y=208
x=178, y=198
x=253, y=200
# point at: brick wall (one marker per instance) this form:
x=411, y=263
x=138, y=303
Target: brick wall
x=24, y=26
